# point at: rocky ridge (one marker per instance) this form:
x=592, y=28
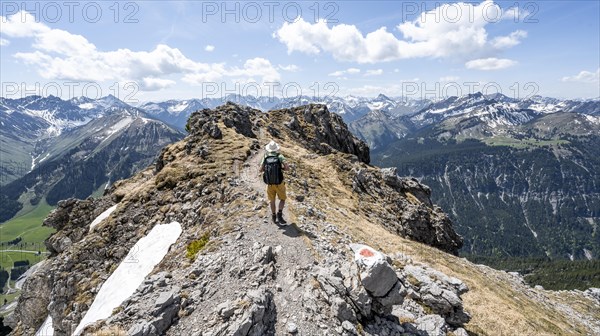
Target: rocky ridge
x=232, y=272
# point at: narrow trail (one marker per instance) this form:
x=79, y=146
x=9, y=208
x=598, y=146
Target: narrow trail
x=293, y=250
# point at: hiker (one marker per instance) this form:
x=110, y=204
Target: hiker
x=272, y=166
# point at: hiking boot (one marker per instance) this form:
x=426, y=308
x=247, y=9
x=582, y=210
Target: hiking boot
x=274, y=217
x=280, y=218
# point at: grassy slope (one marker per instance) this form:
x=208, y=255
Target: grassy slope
x=29, y=227
x=498, y=304
x=15, y=158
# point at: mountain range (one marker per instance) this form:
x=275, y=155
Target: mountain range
x=520, y=178
x=54, y=149
x=176, y=112
x=186, y=247
x=498, y=139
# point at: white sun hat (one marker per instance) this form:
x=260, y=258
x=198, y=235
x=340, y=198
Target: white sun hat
x=272, y=146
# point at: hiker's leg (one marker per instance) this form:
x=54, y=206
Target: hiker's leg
x=271, y=194
x=282, y=196
x=281, y=205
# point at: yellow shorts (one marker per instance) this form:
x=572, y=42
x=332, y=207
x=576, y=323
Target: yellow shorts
x=276, y=189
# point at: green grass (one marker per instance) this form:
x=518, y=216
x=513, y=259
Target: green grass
x=99, y=192
x=29, y=227
x=9, y=298
x=197, y=245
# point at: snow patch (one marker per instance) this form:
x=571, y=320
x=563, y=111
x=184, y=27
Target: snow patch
x=34, y=159
x=588, y=254
x=592, y=119
x=375, y=105
x=533, y=232
x=139, y=262
x=47, y=329
x=121, y=124
x=178, y=108
x=86, y=106
x=103, y=216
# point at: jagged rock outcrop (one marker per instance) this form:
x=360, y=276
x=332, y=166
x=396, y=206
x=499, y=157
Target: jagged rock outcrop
x=233, y=272
x=403, y=206
x=315, y=127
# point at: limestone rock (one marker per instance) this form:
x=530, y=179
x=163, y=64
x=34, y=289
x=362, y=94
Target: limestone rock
x=379, y=278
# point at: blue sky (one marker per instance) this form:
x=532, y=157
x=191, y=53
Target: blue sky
x=158, y=50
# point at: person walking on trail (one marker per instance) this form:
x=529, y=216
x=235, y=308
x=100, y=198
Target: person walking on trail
x=272, y=166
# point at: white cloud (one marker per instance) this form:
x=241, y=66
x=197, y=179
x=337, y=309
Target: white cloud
x=584, y=77
x=209, y=48
x=490, y=63
x=22, y=24
x=154, y=84
x=257, y=67
x=340, y=73
x=4, y=42
x=59, y=54
x=374, y=72
x=505, y=42
x=290, y=68
x=449, y=78
x=463, y=35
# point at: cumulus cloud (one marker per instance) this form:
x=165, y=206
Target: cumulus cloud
x=59, y=54
x=433, y=34
x=505, y=42
x=584, y=77
x=340, y=73
x=374, y=72
x=490, y=63
x=154, y=84
x=257, y=67
x=4, y=42
x=209, y=48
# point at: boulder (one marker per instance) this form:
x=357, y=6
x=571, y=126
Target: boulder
x=379, y=278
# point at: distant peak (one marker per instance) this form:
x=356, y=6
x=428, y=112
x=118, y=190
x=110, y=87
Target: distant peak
x=381, y=96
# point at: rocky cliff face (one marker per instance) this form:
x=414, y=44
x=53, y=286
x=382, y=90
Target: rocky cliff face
x=232, y=272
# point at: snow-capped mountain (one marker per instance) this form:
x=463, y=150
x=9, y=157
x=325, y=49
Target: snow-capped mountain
x=36, y=129
x=29, y=123
x=177, y=112
x=88, y=158
x=55, y=115
x=173, y=112
x=552, y=105
x=475, y=116
x=497, y=110
x=352, y=107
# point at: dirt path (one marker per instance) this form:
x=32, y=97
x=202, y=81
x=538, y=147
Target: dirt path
x=293, y=251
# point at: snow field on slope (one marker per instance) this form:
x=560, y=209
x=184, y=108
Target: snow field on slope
x=129, y=275
x=102, y=216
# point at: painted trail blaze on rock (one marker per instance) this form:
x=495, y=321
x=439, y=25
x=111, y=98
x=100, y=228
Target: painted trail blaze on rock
x=366, y=255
